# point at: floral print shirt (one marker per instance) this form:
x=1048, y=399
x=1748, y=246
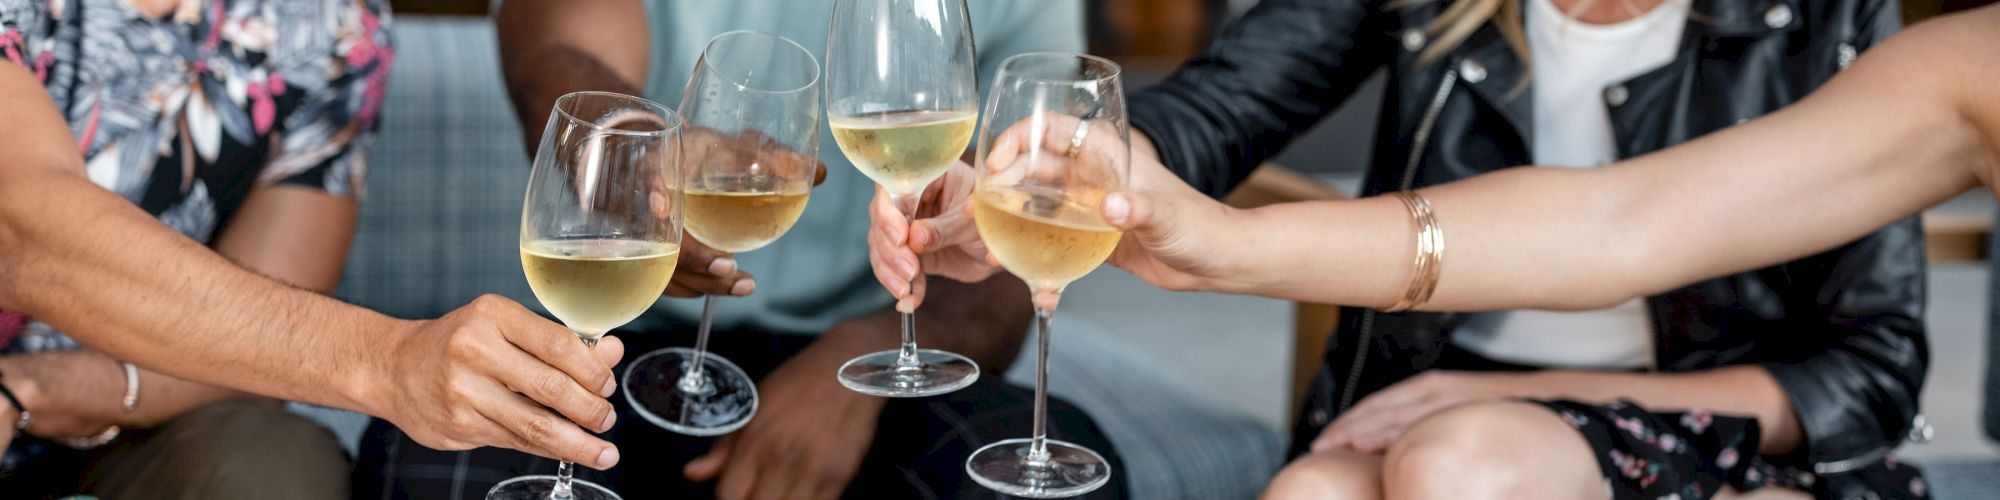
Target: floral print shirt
x=186, y=113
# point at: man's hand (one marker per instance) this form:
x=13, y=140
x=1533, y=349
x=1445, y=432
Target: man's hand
x=482, y=376
x=808, y=439
x=944, y=237
x=1375, y=423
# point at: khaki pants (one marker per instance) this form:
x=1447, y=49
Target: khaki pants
x=241, y=448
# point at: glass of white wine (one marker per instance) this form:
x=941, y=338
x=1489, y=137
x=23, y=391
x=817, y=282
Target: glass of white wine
x=902, y=99
x=1054, y=144
x=751, y=153
x=600, y=232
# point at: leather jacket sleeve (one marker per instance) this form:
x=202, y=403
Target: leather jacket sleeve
x=1269, y=76
x=1856, y=393
x=1854, y=378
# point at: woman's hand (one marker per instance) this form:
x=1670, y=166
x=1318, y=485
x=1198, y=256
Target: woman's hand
x=1175, y=238
x=1375, y=423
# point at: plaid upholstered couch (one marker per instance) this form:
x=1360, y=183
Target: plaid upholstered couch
x=440, y=224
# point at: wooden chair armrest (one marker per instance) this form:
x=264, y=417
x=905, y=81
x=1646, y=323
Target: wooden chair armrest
x=1312, y=323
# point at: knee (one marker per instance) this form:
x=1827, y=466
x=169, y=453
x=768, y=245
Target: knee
x=1483, y=450
x=257, y=449
x=1332, y=475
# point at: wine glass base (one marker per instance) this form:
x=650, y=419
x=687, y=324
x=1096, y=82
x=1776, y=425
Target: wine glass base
x=726, y=400
x=937, y=372
x=1070, y=471
x=539, y=487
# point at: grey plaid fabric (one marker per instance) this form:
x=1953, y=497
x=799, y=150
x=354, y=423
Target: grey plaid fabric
x=440, y=227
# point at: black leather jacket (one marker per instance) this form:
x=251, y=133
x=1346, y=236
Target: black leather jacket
x=1842, y=331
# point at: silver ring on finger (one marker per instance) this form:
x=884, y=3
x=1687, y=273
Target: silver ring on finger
x=1076, y=141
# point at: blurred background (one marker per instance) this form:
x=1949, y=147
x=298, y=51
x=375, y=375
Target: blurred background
x=1240, y=352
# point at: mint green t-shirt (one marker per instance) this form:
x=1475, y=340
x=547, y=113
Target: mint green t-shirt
x=818, y=273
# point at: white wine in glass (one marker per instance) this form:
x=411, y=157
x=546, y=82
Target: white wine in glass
x=752, y=146
x=600, y=232
x=1038, y=215
x=741, y=221
x=1042, y=237
x=595, y=285
x=902, y=99
x=904, y=150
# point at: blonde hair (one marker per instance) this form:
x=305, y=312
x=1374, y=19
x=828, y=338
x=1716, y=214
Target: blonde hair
x=1464, y=17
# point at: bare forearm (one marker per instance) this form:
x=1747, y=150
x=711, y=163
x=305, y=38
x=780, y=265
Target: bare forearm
x=553, y=48
x=90, y=386
x=97, y=268
x=1739, y=390
x=1874, y=145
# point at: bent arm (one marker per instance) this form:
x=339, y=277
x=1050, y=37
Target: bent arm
x=92, y=265
x=1904, y=128
x=291, y=234
x=549, y=48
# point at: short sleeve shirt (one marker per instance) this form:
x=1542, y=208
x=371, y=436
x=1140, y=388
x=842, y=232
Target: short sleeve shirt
x=184, y=114
x=818, y=274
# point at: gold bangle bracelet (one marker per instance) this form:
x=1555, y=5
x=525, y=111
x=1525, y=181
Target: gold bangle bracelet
x=1428, y=262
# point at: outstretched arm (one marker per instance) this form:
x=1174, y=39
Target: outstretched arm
x=1909, y=125
x=96, y=267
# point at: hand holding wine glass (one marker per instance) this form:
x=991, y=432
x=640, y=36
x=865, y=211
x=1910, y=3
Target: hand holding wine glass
x=600, y=233
x=940, y=241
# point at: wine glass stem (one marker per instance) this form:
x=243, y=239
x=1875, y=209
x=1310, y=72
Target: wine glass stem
x=564, y=470
x=691, y=380
x=562, y=489
x=906, y=358
x=1038, y=448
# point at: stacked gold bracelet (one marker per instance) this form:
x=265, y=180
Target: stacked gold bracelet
x=1430, y=252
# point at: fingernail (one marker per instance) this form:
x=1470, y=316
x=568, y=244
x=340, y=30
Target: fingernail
x=743, y=287
x=908, y=267
x=610, y=386
x=1117, y=208
x=609, y=418
x=722, y=266
x=607, y=458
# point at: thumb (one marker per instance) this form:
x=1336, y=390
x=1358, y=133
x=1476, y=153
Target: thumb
x=609, y=350
x=1135, y=212
x=953, y=227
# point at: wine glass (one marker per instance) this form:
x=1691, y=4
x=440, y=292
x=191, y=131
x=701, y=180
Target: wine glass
x=902, y=99
x=1054, y=144
x=751, y=152
x=600, y=232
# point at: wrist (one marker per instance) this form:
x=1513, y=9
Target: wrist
x=21, y=379
x=368, y=388
x=1239, y=268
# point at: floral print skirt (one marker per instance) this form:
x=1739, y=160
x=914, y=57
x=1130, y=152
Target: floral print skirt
x=1694, y=454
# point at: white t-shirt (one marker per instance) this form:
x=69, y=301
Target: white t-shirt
x=1576, y=65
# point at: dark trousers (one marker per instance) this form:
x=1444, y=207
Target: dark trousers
x=919, y=449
